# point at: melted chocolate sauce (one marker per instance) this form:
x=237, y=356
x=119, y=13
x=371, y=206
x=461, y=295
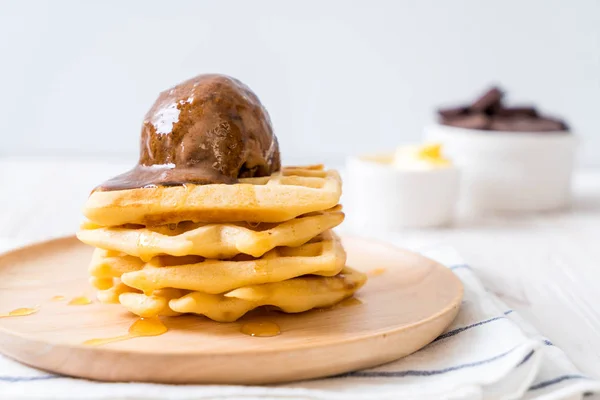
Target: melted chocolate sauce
x=209, y=129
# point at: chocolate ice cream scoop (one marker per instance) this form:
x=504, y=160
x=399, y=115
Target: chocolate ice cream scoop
x=209, y=129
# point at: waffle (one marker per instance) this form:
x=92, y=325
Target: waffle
x=107, y=264
x=155, y=304
x=111, y=294
x=221, y=250
x=323, y=255
x=291, y=296
x=280, y=197
x=219, y=241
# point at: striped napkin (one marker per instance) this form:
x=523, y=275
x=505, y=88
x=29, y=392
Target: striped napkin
x=489, y=352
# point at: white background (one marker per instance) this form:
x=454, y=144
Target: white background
x=337, y=77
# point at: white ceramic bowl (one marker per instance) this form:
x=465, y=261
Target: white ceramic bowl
x=509, y=171
x=379, y=196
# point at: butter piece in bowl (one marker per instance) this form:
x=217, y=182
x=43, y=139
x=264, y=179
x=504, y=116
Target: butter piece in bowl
x=412, y=187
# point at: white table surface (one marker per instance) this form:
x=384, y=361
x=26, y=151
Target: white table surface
x=545, y=266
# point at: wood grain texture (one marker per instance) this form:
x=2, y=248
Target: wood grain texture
x=400, y=311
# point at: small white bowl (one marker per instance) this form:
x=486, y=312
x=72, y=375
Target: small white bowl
x=379, y=196
x=509, y=171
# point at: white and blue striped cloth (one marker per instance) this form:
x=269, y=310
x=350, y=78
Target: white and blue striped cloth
x=489, y=352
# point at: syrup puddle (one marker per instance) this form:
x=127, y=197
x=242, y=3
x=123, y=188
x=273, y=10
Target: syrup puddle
x=141, y=327
x=352, y=301
x=260, y=329
x=20, y=312
x=376, y=272
x=58, y=298
x=80, y=301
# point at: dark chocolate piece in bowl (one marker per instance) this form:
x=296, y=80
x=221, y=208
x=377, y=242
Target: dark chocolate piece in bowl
x=514, y=111
x=489, y=113
x=453, y=112
x=488, y=102
x=525, y=124
x=473, y=121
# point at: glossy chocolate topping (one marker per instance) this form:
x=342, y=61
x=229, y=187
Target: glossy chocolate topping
x=209, y=129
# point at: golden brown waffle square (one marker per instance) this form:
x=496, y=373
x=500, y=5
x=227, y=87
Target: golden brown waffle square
x=292, y=296
x=323, y=255
x=280, y=197
x=221, y=241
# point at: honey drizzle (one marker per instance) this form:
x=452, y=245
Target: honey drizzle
x=141, y=327
x=260, y=329
x=20, y=312
x=376, y=271
x=80, y=301
x=349, y=302
x=145, y=245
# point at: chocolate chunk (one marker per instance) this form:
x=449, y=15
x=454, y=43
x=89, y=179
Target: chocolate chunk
x=554, y=124
x=494, y=109
x=488, y=113
x=525, y=124
x=473, y=121
x=452, y=112
x=489, y=101
x=564, y=126
x=517, y=111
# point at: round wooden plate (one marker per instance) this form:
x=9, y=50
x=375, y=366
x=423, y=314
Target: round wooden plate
x=401, y=309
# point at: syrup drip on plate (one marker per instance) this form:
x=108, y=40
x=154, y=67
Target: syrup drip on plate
x=349, y=302
x=80, y=301
x=141, y=327
x=58, y=298
x=376, y=272
x=20, y=312
x=260, y=329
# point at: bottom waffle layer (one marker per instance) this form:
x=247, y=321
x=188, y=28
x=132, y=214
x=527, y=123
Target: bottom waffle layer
x=293, y=279
x=291, y=296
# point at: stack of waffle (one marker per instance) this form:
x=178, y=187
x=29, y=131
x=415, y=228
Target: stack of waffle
x=221, y=250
